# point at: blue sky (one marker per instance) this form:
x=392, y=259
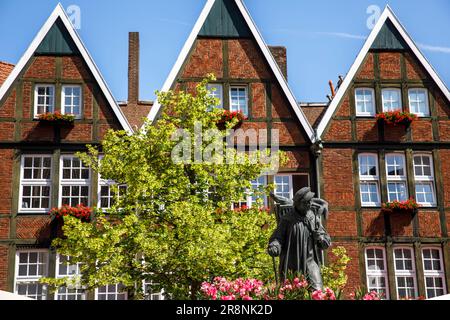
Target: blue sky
x=322, y=37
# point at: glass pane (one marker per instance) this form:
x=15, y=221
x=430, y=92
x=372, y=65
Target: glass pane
x=66, y=174
x=32, y=270
x=33, y=257
x=26, y=191
x=27, y=174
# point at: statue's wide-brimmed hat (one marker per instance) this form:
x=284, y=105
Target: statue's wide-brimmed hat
x=304, y=194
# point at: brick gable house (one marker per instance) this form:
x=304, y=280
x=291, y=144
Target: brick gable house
x=391, y=253
x=365, y=164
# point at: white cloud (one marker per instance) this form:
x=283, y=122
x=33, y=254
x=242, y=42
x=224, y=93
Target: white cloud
x=427, y=47
x=342, y=35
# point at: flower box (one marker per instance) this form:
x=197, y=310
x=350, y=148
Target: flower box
x=57, y=118
x=408, y=206
x=234, y=117
x=80, y=212
x=396, y=118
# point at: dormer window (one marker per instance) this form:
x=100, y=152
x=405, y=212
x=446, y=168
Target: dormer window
x=365, y=102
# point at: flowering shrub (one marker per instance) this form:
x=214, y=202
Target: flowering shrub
x=222, y=289
x=360, y=295
x=234, y=118
x=80, y=212
x=57, y=117
x=401, y=206
x=327, y=294
x=396, y=117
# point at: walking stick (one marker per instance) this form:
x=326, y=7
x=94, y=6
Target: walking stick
x=275, y=271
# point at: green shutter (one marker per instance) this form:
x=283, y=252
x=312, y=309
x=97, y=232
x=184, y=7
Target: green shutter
x=389, y=38
x=57, y=41
x=225, y=21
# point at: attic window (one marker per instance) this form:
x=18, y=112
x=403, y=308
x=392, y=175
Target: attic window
x=44, y=99
x=365, y=102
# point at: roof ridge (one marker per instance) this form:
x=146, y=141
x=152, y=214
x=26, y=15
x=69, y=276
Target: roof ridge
x=7, y=63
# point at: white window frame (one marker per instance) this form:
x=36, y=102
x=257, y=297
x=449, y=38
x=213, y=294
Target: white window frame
x=434, y=273
x=369, y=179
x=31, y=279
x=73, y=182
x=243, y=109
x=425, y=179
x=290, y=185
x=427, y=104
x=390, y=101
x=78, y=290
x=365, y=113
x=116, y=293
x=405, y=273
x=63, y=100
x=151, y=296
x=218, y=93
x=35, y=182
x=396, y=178
x=377, y=273
x=51, y=107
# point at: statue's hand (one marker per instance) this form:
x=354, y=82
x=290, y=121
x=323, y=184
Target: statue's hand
x=274, y=249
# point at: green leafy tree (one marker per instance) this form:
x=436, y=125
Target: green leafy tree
x=173, y=226
x=334, y=276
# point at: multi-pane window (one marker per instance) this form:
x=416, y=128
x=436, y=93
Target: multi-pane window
x=283, y=186
x=365, y=102
x=31, y=266
x=44, y=99
x=239, y=99
x=107, y=197
x=258, y=197
x=376, y=271
x=75, y=182
x=433, y=270
x=369, y=180
x=424, y=180
x=418, y=102
x=71, y=100
x=391, y=99
x=35, y=183
x=111, y=292
x=405, y=273
x=396, y=177
x=66, y=269
x=216, y=91
x=150, y=293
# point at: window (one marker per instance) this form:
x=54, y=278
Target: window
x=111, y=292
x=365, y=102
x=396, y=177
x=239, y=99
x=258, y=186
x=64, y=269
x=150, y=294
x=107, y=197
x=391, y=99
x=71, y=100
x=424, y=180
x=418, y=102
x=369, y=180
x=405, y=273
x=433, y=271
x=283, y=186
x=216, y=91
x=31, y=266
x=44, y=99
x=35, y=183
x=75, y=182
x=376, y=271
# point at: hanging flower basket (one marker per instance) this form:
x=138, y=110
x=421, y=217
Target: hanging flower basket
x=57, y=118
x=80, y=212
x=396, y=118
x=408, y=206
x=234, y=117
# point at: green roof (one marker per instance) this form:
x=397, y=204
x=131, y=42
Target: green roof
x=57, y=41
x=389, y=38
x=225, y=21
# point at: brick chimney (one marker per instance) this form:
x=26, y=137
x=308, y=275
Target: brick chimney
x=133, y=68
x=280, y=55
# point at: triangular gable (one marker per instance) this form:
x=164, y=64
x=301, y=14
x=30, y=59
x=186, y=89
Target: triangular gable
x=388, y=33
x=244, y=14
x=58, y=34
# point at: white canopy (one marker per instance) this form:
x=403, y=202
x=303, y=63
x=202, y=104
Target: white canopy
x=11, y=296
x=446, y=297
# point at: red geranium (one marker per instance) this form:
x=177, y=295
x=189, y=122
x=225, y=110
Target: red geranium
x=80, y=212
x=396, y=117
x=57, y=117
x=401, y=206
x=230, y=116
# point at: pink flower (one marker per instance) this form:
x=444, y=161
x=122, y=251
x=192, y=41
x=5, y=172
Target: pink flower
x=227, y=298
x=246, y=298
x=318, y=295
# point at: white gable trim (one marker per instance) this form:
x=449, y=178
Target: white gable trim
x=262, y=45
x=59, y=12
x=387, y=14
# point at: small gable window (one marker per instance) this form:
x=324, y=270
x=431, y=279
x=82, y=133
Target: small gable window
x=216, y=91
x=392, y=100
x=44, y=99
x=71, y=100
x=239, y=99
x=365, y=102
x=418, y=102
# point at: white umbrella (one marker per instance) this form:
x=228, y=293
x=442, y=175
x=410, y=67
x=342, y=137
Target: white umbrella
x=11, y=296
x=446, y=297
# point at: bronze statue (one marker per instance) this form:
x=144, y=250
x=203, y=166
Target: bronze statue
x=300, y=237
